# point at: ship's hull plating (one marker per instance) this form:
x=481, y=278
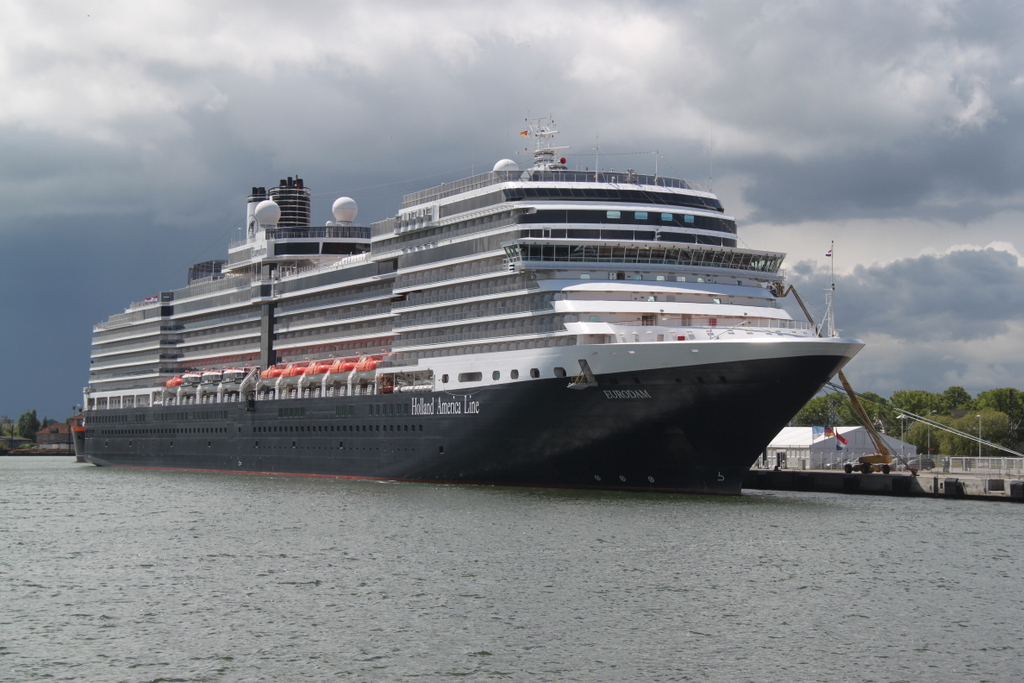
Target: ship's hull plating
x=685, y=429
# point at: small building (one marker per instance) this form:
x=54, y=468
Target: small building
x=56, y=436
x=818, y=448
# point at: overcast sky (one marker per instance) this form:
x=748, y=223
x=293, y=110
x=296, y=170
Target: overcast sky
x=131, y=132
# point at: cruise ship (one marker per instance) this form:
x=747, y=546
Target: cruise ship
x=535, y=326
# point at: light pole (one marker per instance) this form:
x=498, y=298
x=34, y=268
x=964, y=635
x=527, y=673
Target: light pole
x=979, y=435
x=903, y=428
x=929, y=438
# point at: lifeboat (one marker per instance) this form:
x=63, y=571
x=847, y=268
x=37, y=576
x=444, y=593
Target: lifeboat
x=343, y=365
x=173, y=382
x=317, y=369
x=235, y=375
x=368, y=364
x=273, y=372
x=191, y=379
x=292, y=373
x=211, y=377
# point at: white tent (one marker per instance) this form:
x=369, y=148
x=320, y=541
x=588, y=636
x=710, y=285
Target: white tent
x=812, y=448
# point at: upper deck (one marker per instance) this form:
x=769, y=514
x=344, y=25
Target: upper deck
x=611, y=180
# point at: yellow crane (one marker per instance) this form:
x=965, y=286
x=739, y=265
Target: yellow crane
x=882, y=459
x=879, y=461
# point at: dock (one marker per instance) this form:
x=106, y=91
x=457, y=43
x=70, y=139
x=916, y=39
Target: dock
x=930, y=484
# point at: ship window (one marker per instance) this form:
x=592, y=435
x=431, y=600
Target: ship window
x=640, y=215
x=660, y=278
x=716, y=300
x=584, y=276
x=496, y=374
x=559, y=372
x=444, y=379
x=688, y=218
x=514, y=374
x=700, y=279
x=470, y=376
x=595, y=318
x=680, y=278
x=534, y=373
x=666, y=218
x=613, y=214
x=636, y=276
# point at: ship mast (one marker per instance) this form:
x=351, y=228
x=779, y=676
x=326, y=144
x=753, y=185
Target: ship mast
x=545, y=157
x=830, y=313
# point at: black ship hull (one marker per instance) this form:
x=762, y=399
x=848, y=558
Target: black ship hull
x=691, y=429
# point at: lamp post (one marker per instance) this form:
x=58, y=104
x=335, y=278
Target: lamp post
x=929, y=453
x=903, y=428
x=979, y=435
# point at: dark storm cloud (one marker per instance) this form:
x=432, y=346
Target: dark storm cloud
x=961, y=296
x=957, y=178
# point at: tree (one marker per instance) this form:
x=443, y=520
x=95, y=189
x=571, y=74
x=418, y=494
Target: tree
x=922, y=435
x=917, y=402
x=994, y=428
x=1006, y=401
x=817, y=411
x=956, y=398
x=28, y=425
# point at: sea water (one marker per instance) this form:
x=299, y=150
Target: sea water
x=144, y=576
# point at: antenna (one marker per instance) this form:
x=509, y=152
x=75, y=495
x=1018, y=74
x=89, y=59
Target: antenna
x=830, y=313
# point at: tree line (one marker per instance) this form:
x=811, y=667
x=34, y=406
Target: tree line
x=26, y=426
x=995, y=415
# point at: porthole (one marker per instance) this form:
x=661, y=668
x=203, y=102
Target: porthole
x=496, y=374
x=514, y=374
x=534, y=373
x=559, y=372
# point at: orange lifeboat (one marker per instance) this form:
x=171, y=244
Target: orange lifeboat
x=318, y=367
x=190, y=379
x=291, y=374
x=368, y=363
x=273, y=372
x=294, y=370
x=173, y=382
x=343, y=365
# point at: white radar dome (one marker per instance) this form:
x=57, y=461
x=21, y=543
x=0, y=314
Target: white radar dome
x=345, y=210
x=267, y=213
x=506, y=165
